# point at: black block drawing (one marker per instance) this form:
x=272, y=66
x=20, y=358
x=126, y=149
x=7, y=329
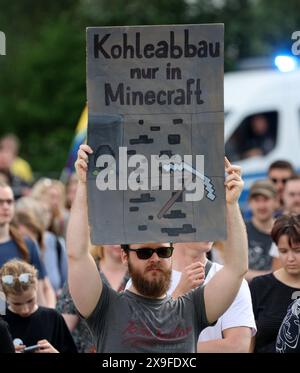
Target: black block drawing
x=175, y=214
x=174, y=232
x=143, y=139
x=142, y=227
x=174, y=139
x=145, y=197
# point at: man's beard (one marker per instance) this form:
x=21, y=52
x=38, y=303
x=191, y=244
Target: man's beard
x=154, y=288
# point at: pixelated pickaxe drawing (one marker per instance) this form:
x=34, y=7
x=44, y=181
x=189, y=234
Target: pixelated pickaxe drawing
x=208, y=185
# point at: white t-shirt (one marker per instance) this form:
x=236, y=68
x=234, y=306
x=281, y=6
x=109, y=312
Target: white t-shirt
x=274, y=251
x=239, y=314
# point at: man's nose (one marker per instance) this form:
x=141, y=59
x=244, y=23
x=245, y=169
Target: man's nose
x=155, y=257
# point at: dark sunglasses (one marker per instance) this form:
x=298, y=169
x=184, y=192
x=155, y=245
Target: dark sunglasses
x=145, y=253
x=275, y=181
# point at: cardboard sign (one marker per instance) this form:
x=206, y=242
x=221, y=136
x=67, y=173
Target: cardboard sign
x=156, y=126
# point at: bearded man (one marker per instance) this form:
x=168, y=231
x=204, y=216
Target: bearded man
x=143, y=318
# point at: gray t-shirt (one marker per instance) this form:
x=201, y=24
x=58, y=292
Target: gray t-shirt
x=126, y=322
x=259, y=248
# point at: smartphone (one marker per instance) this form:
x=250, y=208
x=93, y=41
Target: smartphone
x=31, y=348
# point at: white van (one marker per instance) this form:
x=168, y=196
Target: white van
x=270, y=94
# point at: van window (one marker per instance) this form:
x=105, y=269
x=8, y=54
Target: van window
x=255, y=136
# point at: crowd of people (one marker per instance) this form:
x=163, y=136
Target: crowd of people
x=61, y=294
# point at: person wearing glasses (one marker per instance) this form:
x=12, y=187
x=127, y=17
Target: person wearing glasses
x=36, y=326
x=279, y=173
x=143, y=318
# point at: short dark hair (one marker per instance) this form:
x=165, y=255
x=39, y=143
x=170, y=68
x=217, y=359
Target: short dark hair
x=286, y=225
x=283, y=165
x=125, y=247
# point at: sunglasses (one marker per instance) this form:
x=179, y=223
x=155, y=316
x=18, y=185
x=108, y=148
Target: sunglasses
x=283, y=181
x=9, y=279
x=145, y=253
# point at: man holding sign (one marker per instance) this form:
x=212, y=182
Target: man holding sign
x=143, y=318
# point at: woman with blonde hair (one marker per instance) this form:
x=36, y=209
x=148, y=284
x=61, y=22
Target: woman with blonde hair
x=52, y=192
x=13, y=245
x=29, y=323
x=32, y=221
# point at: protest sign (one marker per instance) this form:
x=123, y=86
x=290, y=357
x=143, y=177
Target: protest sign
x=155, y=124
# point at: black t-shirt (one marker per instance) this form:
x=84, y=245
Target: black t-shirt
x=44, y=323
x=6, y=343
x=259, y=244
x=288, y=339
x=270, y=299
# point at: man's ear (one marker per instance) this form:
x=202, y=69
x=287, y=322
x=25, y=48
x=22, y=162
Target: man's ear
x=124, y=257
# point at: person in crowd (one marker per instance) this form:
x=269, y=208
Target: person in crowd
x=279, y=173
x=260, y=140
x=273, y=293
x=143, y=318
x=291, y=195
x=6, y=342
x=234, y=329
x=19, y=167
x=29, y=322
x=113, y=273
x=288, y=338
x=262, y=202
x=12, y=245
x=291, y=205
x=52, y=192
x=32, y=219
x=19, y=186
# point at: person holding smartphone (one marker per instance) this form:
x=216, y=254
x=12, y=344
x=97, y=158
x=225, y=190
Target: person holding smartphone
x=28, y=322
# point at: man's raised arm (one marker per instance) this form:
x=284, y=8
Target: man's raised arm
x=83, y=277
x=221, y=290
